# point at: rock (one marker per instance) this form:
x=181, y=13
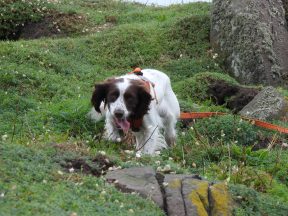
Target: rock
x=220, y=200
x=252, y=37
x=177, y=195
x=266, y=105
x=195, y=195
x=285, y=5
x=173, y=192
x=141, y=180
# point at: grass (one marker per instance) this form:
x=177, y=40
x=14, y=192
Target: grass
x=46, y=85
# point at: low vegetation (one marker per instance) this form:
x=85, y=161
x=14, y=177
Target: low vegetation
x=45, y=92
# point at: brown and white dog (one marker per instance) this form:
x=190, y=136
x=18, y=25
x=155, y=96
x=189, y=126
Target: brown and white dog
x=145, y=104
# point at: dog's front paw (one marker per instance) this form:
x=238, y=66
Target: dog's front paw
x=112, y=136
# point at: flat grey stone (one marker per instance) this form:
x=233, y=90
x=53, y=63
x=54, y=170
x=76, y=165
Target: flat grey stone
x=266, y=105
x=141, y=180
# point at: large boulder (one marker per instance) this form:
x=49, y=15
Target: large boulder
x=252, y=37
x=285, y=4
x=266, y=105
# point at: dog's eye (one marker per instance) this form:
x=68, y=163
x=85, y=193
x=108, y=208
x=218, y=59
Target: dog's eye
x=113, y=96
x=129, y=98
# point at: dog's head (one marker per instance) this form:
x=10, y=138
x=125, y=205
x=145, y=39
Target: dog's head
x=126, y=99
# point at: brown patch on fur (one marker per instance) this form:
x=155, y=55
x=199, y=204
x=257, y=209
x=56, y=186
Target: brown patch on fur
x=139, y=101
x=234, y=97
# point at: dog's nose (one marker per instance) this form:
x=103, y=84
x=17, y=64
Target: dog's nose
x=119, y=113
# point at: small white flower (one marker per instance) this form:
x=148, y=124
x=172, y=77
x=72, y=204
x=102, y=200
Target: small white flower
x=128, y=152
x=159, y=169
x=103, y=192
x=183, y=133
x=167, y=168
x=157, y=152
x=238, y=129
x=102, y=153
x=165, y=184
x=138, y=154
x=194, y=165
x=235, y=169
x=158, y=162
x=122, y=205
x=184, y=162
x=215, y=55
x=60, y=172
x=71, y=170
x=44, y=181
x=4, y=137
x=2, y=195
x=131, y=210
x=192, y=128
x=170, y=158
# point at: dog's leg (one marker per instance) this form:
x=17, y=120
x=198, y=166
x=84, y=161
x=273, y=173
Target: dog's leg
x=150, y=140
x=169, y=129
x=169, y=123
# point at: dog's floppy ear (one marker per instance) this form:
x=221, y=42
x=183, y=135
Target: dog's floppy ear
x=99, y=95
x=144, y=99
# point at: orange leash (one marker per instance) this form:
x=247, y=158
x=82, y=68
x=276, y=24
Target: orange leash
x=259, y=123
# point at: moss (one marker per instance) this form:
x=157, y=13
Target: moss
x=175, y=183
x=195, y=200
x=220, y=199
x=199, y=196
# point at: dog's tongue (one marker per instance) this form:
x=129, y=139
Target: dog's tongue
x=123, y=123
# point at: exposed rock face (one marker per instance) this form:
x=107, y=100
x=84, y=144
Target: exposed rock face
x=234, y=97
x=179, y=195
x=267, y=105
x=252, y=36
x=285, y=4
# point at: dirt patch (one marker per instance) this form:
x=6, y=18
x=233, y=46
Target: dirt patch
x=96, y=166
x=61, y=25
x=232, y=96
x=54, y=24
